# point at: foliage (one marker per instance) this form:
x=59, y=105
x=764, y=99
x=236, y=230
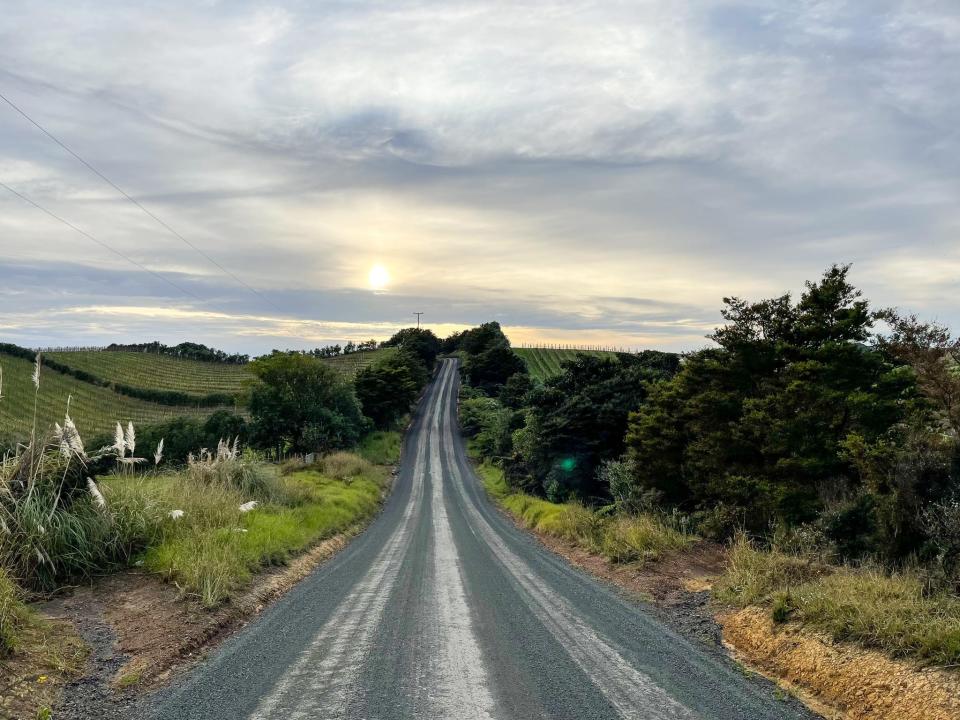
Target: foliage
x=381, y=447
x=13, y=613
x=619, y=538
x=488, y=359
x=198, y=534
x=577, y=421
x=419, y=342
x=757, y=425
x=300, y=405
x=387, y=389
x=184, y=435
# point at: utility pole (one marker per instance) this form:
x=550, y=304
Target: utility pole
x=418, y=314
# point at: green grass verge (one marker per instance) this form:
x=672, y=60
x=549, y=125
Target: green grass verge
x=381, y=447
x=893, y=612
x=544, y=363
x=619, y=538
x=213, y=548
x=13, y=614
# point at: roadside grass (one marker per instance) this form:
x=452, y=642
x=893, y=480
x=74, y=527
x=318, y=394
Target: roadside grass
x=618, y=538
x=36, y=655
x=13, y=614
x=214, y=548
x=894, y=612
x=381, y=447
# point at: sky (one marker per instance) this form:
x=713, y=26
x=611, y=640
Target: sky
x=581, y=172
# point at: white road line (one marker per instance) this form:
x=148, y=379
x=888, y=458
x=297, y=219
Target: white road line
x=460, y=682
x=322, y=681
x=634, y=694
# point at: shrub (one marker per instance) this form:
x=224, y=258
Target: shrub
x=343, y=465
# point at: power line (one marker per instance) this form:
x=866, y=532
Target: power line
x=137, y=203
x=99, y=242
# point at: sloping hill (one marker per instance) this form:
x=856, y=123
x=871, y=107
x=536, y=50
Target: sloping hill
x=157, y=372
x=350, y=365
x=94, y=409
x=544, y=363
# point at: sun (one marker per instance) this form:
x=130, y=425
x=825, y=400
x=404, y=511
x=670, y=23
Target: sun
x=378, y=278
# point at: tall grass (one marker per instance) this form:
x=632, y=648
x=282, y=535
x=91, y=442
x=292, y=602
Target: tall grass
x=619, y=538
x=894, y=612
x=381, y=447
x=13, y=613
x=214, y=548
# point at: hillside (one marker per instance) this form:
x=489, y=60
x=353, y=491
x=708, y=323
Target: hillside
x=157, y=372
x=351, y=364
x=94, y=409
x=545, y=362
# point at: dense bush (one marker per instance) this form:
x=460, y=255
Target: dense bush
x=418, y=342
x=795, y=414
x=301, y=405
x=577, y=421
x=387, y=389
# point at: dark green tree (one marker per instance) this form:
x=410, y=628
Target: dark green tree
x=418, y=341
x=387, y=389
x=300, y=404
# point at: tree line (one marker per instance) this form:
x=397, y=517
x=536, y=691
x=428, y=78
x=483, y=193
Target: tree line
x=820, y=415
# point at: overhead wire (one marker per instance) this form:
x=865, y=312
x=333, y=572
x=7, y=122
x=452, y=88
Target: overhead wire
x=133, y=200
x=99, y=242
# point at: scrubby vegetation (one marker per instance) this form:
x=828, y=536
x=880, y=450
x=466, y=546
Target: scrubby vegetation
x=617, y=537
x=826, y=430
x=895, y=611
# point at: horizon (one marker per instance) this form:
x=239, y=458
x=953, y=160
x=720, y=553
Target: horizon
x=583, y=174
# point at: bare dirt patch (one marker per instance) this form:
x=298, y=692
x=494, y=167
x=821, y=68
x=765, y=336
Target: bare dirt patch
x=851, y=682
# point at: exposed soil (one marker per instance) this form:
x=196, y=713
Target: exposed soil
x=846, y=681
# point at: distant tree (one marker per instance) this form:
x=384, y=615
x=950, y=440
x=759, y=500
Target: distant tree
x=419, y=341
x=387, y=389
x=302, y=405
x=578, y=421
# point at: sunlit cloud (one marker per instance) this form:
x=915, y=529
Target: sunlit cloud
x=583, y=173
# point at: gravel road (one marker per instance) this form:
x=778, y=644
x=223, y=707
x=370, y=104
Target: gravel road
x=444, y=609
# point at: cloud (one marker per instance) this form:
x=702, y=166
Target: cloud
x=572, y=169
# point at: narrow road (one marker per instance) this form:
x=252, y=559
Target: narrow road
x=443, y=609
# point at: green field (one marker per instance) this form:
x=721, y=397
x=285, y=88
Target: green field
x=94, y=409
x=351, y=364
x=97, y=409
x=544, y=363
x=157, y=372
